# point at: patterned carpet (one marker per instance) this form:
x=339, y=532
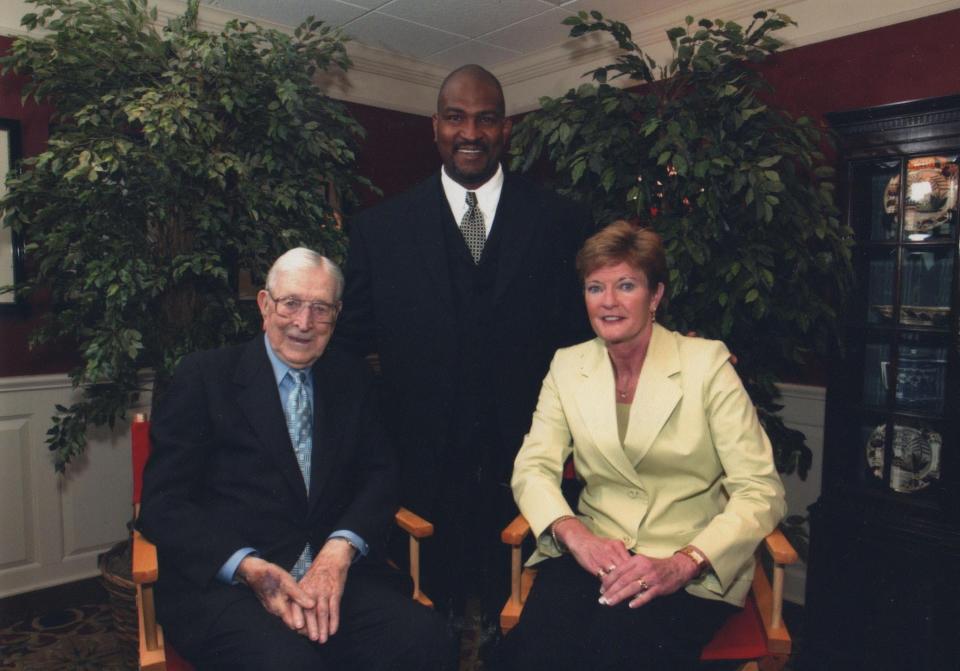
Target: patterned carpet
x=72, y=639
x=83, y=638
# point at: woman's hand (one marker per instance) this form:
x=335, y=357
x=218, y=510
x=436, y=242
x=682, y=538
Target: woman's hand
x=642, y=579
x=598, y=556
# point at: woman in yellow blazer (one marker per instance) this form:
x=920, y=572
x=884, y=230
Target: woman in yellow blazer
x=679, y=484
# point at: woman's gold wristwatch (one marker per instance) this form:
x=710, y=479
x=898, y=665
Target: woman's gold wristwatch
x=700, y=559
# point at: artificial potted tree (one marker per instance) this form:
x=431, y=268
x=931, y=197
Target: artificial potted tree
x=177, y=157
x=740, y=191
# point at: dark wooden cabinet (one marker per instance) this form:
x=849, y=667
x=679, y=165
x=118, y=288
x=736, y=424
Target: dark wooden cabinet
x=883, y=581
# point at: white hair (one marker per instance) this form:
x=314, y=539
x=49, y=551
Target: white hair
x=301, y=258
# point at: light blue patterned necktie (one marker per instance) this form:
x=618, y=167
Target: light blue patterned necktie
x=300, y=426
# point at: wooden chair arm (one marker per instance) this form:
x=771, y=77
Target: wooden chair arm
x=779, y=548
x=516, y=531
x=768, y=593
x=151, y=650
x=417, y=528
x=520, y=579
x=412, y=523
x=144, y=560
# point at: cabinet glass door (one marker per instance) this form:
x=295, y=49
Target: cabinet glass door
x=904, y=213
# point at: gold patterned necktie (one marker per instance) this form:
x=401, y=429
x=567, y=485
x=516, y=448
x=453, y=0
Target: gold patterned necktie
x=471, y=226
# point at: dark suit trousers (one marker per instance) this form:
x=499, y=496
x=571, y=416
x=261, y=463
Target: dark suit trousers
x=564, y=627
x=380, y=630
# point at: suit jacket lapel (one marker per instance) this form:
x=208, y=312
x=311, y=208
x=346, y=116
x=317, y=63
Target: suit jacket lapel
x=595, y=399
x=658, y=392
x=515, y=223
x=428, y=214
x=326, y=434
x=259, y=399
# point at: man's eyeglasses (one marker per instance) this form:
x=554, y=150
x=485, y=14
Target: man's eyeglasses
x=321, y=311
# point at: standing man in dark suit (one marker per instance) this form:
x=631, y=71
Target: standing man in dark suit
x=465, y=287
x=269, y=493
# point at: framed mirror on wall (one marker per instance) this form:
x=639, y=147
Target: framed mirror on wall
x=11, y=244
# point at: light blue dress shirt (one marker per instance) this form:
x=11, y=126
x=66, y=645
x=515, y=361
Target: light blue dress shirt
x=285, y=385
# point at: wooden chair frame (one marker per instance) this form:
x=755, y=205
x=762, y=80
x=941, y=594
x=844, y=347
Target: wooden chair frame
x=767, y=597
x=153, y=654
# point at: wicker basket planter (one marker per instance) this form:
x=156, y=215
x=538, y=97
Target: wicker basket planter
x=115, y=570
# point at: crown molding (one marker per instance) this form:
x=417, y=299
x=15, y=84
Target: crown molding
x=381, y=78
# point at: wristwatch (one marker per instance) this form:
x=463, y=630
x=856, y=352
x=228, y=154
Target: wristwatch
x=698, y=558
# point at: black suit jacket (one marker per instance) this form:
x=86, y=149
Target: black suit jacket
x=222, y=474
x=399, y=303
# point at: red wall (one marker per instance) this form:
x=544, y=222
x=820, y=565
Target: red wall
x=907, y=61
x=15, y=326
x=398, y=151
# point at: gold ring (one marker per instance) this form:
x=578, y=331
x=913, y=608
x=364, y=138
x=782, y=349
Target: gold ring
x=643, y=585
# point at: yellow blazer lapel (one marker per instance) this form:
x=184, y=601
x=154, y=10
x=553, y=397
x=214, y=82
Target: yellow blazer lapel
x=595, y=398
x=658, y=392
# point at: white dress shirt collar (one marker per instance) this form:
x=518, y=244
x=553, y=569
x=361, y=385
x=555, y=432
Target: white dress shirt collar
x=488, y=196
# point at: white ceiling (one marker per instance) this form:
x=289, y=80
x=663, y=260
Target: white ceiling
x=446, y=33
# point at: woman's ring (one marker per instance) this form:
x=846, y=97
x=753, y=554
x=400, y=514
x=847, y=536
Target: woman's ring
x=643, y=585
x=601, y=573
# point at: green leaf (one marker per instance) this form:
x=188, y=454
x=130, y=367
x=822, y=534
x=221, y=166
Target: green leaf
x=609, y=177
x=675, y=33
x=577, y=170
x=680, y=164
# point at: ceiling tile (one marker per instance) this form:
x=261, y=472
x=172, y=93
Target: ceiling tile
x=367, y=4
x=537, y=32
x=472, y=18
x=472, y=52
x=620, y=10
x=379, y=30
x=292, y=12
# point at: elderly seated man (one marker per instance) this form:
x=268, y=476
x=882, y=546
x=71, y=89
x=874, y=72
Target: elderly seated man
x=269, y=493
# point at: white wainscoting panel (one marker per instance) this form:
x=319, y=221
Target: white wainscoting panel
x=16, y=528
x=52, y=527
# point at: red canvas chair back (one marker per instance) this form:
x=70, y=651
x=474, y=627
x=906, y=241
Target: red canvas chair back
x=155, y=654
